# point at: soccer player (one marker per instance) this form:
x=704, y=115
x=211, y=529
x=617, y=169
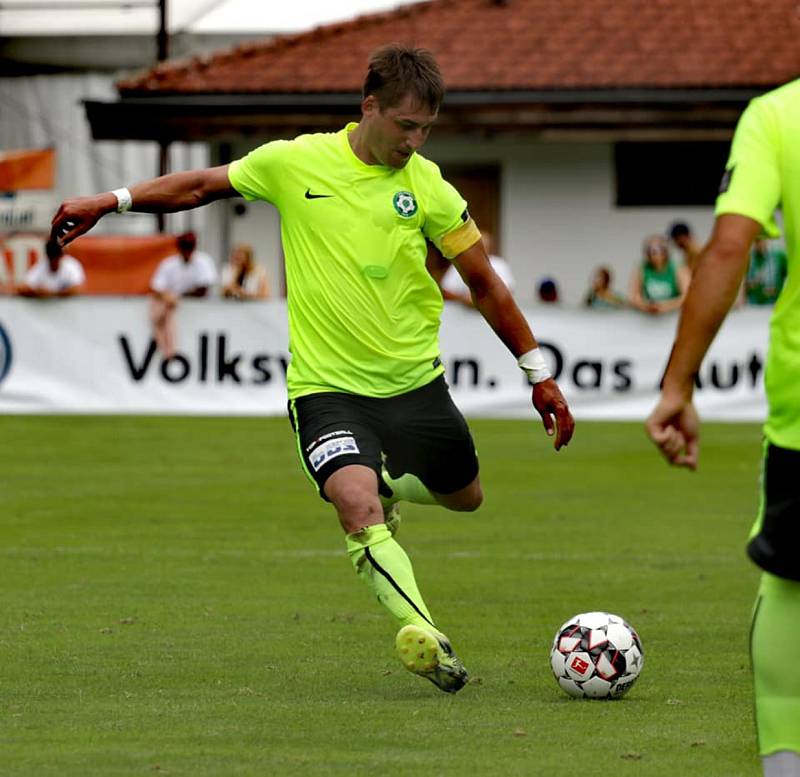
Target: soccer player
x=762, y=173
x=372, y=413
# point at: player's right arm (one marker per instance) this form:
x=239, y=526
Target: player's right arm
x=673, y=425
x=166, y=194
x=751, y=192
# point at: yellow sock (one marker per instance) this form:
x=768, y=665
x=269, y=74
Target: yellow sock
x=409, y=488
x=384, y=566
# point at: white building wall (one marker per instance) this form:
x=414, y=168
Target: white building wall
x=557, y=214
x=44, y=111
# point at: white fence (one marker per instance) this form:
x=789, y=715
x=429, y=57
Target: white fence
x=96, y=356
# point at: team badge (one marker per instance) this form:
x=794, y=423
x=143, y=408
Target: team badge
x=405, y=204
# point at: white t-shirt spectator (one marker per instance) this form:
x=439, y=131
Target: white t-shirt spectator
x=69, y=274
x=453, y=282
x=177, y=276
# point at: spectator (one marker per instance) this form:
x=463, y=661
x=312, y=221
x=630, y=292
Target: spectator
x=243, y=277
x=657, y=285
x=548, y=292
x=55, y=275
x=6, y=274
x=681, y=235
x=765, y=274
x=601, y=295
x=189, y=273
x=453, y=286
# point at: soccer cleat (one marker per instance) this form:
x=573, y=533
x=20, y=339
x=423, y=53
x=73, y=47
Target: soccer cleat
x=391, y=517
x=428, y=653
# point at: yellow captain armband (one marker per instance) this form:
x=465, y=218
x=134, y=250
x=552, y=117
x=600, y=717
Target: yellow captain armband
x=460, y=239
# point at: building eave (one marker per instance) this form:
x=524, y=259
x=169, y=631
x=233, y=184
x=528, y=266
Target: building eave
x=572, y=114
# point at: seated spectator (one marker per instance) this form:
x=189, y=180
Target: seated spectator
x=601, y=295
x=189, y=273
x=681, y=235
x=548, y=292
x=243, y=277
x=6, y=275
x=55, y=275
x=453, y=286
x=657, y=285
x=766, y=273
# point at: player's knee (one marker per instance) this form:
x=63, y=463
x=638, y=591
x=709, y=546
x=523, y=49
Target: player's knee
x=357, y=507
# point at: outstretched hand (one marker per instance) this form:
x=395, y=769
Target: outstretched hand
x=552, y=407
x=78, y=215
x=674, y=427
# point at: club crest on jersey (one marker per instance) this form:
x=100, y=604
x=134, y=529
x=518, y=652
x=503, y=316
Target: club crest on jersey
x=405, y=204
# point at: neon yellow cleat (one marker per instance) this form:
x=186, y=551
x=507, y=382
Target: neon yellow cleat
x=428, y=653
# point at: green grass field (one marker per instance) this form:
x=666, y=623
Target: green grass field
x=176, y=600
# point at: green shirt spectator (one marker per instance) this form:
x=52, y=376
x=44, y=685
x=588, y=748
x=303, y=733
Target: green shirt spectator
x=766, y=273
x=657, y=285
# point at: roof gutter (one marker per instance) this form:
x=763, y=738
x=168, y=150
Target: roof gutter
x=169, y=117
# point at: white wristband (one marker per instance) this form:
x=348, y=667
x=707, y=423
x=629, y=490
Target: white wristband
x=124, y=199
x=534, y=366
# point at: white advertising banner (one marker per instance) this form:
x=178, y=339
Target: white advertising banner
x=97, y=356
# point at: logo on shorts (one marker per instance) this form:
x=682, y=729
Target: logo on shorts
x=5, y=353
x=405, y=204
x=330, y=449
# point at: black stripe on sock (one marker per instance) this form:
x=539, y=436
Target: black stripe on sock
x=394, y=585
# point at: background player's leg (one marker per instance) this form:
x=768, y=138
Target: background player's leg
x=776, y=667
x=163, y=321
x=377, y=558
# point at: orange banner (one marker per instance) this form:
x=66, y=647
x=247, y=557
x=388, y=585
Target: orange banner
x=121, y=265
x=28, y=169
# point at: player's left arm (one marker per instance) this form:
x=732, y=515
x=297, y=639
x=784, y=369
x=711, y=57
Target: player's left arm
x=496, y=304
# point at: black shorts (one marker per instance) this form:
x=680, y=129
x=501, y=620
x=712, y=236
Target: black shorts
x=776, y=545
x=421, y=432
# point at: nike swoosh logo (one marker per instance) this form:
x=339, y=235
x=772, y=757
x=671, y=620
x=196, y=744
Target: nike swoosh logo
x=310, y=196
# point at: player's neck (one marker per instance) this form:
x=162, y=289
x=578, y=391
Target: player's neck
x=359, y=145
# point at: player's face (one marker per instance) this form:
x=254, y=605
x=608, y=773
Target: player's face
x=396, y=132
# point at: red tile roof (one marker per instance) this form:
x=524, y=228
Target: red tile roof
x=518, y=45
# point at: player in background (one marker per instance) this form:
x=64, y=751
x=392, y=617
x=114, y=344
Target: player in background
x=373, y=416
x=762, y=173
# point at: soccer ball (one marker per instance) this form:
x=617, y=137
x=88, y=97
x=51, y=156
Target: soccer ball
x=596, y=655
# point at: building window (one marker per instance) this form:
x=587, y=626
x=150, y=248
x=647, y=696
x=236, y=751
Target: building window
x=669, y=173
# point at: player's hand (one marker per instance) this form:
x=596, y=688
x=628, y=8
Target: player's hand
x=552, y=407
x=674, y=427
x=78, y=215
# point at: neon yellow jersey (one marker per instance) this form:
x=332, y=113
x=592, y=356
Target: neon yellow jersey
x=364, y=312
x=763, y=173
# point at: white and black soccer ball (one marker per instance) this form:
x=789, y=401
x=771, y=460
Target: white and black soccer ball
x=596, y=655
